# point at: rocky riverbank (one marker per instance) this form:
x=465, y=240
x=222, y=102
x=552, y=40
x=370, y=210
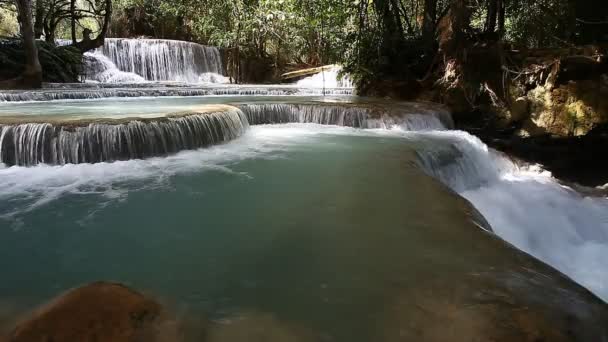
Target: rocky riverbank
x=578, y=159
x=542, y=106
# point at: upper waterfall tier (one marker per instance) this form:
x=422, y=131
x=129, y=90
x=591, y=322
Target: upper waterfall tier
x=163, y=60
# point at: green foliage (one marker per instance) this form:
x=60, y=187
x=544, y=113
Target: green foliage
x=288, y=31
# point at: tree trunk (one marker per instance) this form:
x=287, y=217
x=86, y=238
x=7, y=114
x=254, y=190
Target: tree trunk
x=87, y=44
x=39, y=20
x=73, y=20
x=453, y=27
x=570, y=34
x=501, y=18
x=428, y=21
x=32, y=76
x=392, y=39
x=492, y=16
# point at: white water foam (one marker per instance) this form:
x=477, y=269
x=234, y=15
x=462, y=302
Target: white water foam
x=526, y=206
x=23, y=189
x=327, y=79
x=102, y=69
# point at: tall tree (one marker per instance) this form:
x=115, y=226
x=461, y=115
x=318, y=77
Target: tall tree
x=501, y=17
x=428, y=20
x=73, y=20
x=32, y=76
x=492, y=16
x=40, y=11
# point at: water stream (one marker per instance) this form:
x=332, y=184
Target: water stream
x=322, y=210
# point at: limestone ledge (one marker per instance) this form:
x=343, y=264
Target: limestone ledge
x=82, y=121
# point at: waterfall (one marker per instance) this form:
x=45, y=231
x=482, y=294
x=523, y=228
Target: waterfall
x=162, y=60
x=100, y=140
x=77, y=142
x=527, y=208
x=101, y=69
x=358, y=116
x=327, y=79
x=460, y=160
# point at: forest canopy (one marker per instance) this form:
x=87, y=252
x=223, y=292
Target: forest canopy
x=368, y=36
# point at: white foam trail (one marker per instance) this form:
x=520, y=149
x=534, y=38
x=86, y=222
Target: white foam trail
x=327, y=79
x=23, y=189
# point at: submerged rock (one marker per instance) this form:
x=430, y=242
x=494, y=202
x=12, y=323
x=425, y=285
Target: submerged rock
x=96, y=312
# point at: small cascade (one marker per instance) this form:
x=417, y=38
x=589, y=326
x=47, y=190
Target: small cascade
x=523, y=205
x=327, y=79
x=357, y=116
x=101, y=69
x=81, y=142
x=460, y=160
x=139, y=90
x=163, y=60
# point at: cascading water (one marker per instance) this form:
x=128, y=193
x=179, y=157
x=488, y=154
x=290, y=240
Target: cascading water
x=99, y=91
x=101, y=69
x=352, y=116
x=34, y=143
x=161, y=60
x=118, y=139
x=327, y=79
x=528, y=208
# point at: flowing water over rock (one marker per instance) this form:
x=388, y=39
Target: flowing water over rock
x=333, y=232
x=52, y=139
x=331, y=78
x=159, y=60
x=115, y=139
x=128, y=90
x=359, y=116
x=101, y=69
x=381, y=251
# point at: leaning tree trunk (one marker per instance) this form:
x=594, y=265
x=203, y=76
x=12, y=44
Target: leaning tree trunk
x=87, y=44
x=32, y=76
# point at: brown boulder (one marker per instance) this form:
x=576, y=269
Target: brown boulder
x=97, y=312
